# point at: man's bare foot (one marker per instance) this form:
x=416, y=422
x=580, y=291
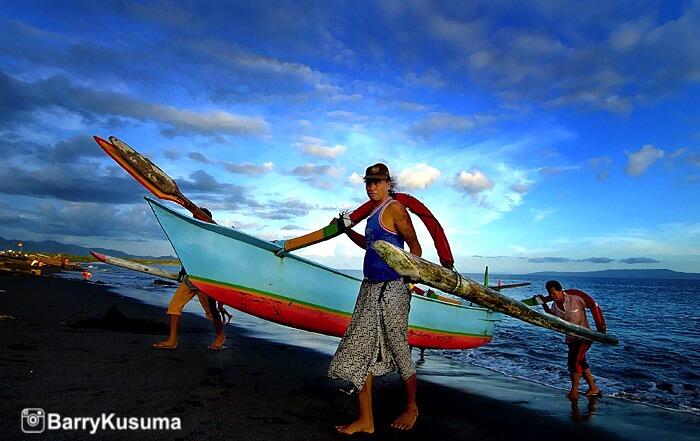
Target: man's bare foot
x=572, y=395
x=406, y=420
x=166, y=344
x=593, y=393
x=355, y=427
x=218, y=344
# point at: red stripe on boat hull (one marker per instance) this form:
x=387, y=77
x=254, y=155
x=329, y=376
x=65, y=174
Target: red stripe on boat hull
x=312, y=319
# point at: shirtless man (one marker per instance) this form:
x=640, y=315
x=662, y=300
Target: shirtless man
x=571, y=305
x=376, y=341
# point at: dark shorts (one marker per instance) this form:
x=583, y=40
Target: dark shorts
x=577, y=355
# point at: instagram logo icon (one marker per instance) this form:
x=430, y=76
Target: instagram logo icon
x=33, y=420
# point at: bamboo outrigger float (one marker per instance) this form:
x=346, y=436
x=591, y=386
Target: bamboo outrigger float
x=423, y=271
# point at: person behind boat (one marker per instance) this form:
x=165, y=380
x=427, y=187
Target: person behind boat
x=571, y=305
x=184, y=293
x=376, y=342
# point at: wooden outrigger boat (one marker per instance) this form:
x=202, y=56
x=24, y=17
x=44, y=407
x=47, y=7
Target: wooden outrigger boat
x=245, y=273
x=263, y=279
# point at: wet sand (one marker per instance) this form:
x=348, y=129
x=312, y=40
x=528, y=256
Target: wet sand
x=78, y=349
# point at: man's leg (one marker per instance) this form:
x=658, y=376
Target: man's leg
x=407, y=419
x=182, y=295
x=365, y=422
x=395, y=309
x=171, y=342
x=209, y=306
x=592, y=387
x=573, y=393
x=220, y=338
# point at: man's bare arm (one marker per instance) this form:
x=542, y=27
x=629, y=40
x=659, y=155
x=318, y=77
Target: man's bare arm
x=357, y=238
x=404, y=226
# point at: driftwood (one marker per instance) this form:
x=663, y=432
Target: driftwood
x=420, y=270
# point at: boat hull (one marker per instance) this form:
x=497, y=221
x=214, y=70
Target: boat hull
x=245, y=273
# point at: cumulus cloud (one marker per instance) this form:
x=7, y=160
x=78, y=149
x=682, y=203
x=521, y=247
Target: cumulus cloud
x=548, y=259
x=317, y=147
x=196, y=156
x=437, y=123
x=249, y=169
x=473, y=182
x=318, y=176
x=600, y=166
x=420, y=176
x=245, y=168
x=310, y=170
x=288, y=209
x=520, y=188
x=601, y=161
x=638, y=162
x=355, y=179
x=173, y=155
x=218, y=195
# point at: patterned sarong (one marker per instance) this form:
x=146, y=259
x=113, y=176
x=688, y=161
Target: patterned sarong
x=375, y=341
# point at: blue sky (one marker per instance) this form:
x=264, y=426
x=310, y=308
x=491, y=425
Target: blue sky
x=545, y=135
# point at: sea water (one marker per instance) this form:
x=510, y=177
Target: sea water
x=656, y=321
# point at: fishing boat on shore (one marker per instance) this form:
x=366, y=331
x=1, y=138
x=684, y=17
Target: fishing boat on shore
x=246, y=273
x=265, y=280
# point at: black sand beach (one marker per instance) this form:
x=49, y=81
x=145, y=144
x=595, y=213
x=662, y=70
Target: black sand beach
x=60, y=354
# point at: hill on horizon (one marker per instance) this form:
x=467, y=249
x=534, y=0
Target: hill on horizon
x=656, y=273
x=54, y=247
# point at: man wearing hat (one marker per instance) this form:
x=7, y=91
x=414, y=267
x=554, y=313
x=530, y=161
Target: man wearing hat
x=376, y=342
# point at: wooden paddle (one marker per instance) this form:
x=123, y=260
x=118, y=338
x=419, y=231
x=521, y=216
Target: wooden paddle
x=328, y=232
x=149, y=175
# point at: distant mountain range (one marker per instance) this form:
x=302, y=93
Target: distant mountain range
x=623, y=274
x=53, y=247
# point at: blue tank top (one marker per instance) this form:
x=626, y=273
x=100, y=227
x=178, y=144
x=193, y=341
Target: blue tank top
x=374, y=268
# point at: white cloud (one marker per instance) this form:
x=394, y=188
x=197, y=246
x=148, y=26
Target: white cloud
x=249, y=169
x=601, y=161
x=473, y=182
x=214, y=121
x=355, y=179
x=539, y=215
x=640, y=161
x=421, y=176
x=319, y=148
x=439, y=122
x=520, y=188
x=628, y=35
